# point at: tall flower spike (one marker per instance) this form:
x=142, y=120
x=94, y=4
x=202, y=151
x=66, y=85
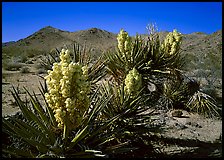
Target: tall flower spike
x=133, y=82
x=124, y=43
x=172, y=42
x=68, y=90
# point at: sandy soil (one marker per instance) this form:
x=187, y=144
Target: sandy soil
x=19, y=80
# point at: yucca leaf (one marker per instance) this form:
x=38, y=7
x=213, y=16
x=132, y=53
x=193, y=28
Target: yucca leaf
x=79, y=136
x=18, y=152
x=47, y=130
x=98, y=107
x=20, y=104
x=106, y=140
x=106, y=125
x=118, y=146
x=88, y=154
x=38, y=108
x=33, y=130
x=52, y=119
x=14, y=129
x=25, y=136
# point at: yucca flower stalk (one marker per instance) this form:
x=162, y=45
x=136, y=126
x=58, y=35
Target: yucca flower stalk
x=172, y=42
x=80, y=55
x=124, y=44
x=133, y=82
x=68, y=91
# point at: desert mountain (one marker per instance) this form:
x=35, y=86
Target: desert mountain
x=48, y=38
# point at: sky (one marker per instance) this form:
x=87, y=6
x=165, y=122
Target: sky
x=21, y=19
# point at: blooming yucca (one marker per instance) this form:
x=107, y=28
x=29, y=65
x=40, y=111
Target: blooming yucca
x=133, y=82
x=124, y=43
x=172, y=42
x=68, y=89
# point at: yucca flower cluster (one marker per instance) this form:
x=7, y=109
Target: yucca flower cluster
x=124, y=43
x=172, y=42
x=67, y=90
x=133, y=82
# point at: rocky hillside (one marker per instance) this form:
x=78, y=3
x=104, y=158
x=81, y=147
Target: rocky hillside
x=7, y=43
x=49, y=38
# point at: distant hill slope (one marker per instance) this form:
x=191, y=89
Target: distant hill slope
x=7, y=43
x=195, y=44
x=48, y=38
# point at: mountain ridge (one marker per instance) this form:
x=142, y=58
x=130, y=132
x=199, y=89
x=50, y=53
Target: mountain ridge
x=48, y=38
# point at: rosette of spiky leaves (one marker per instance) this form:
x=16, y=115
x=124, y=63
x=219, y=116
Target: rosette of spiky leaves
x=159, y=59
x=204, y=104
x=160, y=63
x=134, y=121
x=149, y=57
x=121, y=101
x=37, y=134
x=119, y=64
x=174, y=94
x=81, y=55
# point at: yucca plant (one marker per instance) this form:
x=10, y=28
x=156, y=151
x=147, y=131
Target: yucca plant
x=134, y=122
x=174, y=95
x=38, y=132
x=68, y=126
x=152, y=58
x=204, y=104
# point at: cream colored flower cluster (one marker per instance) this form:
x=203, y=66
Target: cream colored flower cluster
x=172, y=42
x=133, y=82
x=68, y=89
x=124, y=43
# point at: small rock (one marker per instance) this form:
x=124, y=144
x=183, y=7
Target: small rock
x=180, y=126
x=194, y=124
x=177, y=113
x=198, y=126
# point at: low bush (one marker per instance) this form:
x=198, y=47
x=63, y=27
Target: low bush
x=25, y=69
x=12, y=66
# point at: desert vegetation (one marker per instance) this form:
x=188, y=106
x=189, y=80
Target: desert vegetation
x=105, y=107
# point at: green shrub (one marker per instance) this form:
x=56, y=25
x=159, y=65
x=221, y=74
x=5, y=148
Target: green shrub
x=25, y=70
x=12, y=66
